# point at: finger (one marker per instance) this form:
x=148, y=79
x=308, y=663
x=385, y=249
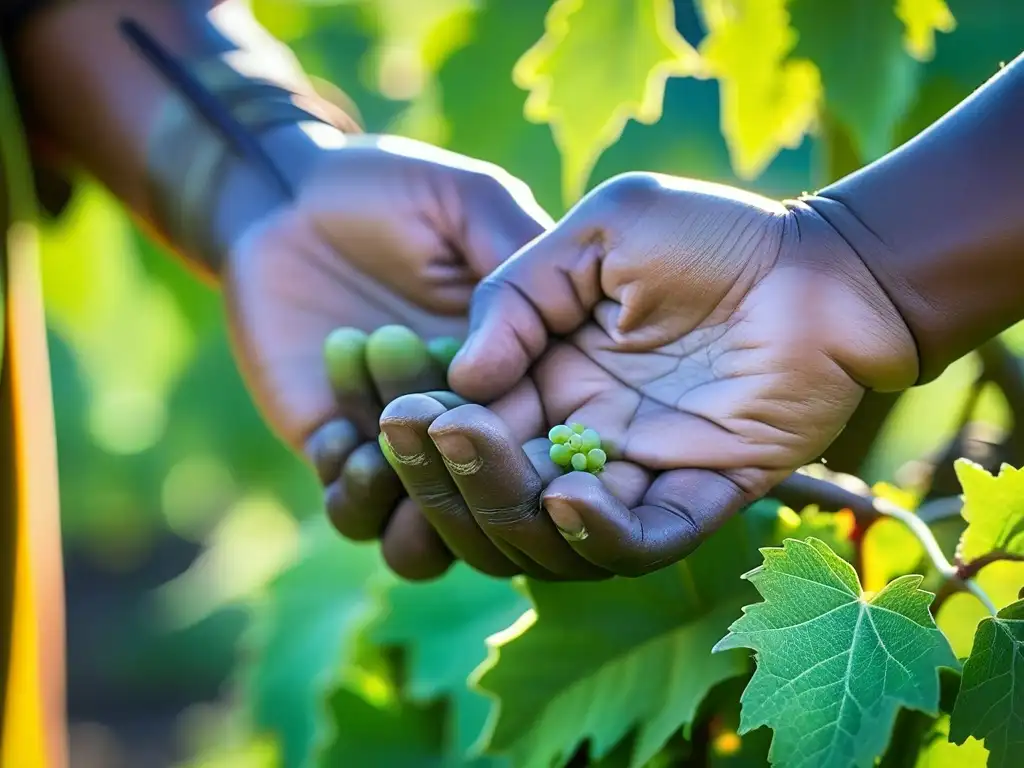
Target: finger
x=548, y=288
x=345, y=359
x=680, y=509
x=330, y=446
x=502, y=487
x=399, y=363
x=361, y=501
x=411, y=547
x=422, y=471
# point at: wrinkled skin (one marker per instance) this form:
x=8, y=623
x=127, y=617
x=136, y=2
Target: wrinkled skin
x=715, y=339
x=386, y=231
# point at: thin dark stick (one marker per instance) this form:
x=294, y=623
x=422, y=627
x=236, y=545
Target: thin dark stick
x=242, y=143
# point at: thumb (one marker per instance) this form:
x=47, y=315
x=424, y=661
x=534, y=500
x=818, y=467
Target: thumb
x=550, y=287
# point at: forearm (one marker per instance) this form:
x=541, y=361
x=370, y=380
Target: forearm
x=90, y=99
x=940, y=222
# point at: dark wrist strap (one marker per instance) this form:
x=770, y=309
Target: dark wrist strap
x=188, y=158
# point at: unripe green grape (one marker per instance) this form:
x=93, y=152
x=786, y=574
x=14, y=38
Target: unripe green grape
x=345, y=359
x=560, y=454
x=577, y=427
x=395, y=353
x=596, y=459
x=559, y=434
x=579, y=462
x=443, y=350
x=576, y=442
x=590, y=440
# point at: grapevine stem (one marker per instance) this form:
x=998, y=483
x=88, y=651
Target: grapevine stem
x=924, y=534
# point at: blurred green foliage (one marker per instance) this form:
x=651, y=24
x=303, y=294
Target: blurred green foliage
x=159, y=440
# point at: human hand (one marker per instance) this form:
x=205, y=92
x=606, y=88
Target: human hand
x=385, y=231
x=715, y=339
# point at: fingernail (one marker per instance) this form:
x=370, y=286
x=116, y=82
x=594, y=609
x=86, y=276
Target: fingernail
x=405, y=443
x=459, y=454
x=566, y=519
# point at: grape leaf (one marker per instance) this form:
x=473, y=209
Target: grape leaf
x=595, y=660
x=386, y=735
x=858, y=44
x=922, y=19
x=834, y=664
x=993, y=509
x=990, y=705
x=443, y=626
x=301, y=636
x=768, y=102
x=599, y=63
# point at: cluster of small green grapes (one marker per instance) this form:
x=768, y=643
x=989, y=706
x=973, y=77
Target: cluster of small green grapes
x=573, y=445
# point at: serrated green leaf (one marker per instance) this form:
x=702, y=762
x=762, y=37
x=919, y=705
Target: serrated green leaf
x=993, y=509
x=443, y=626
x=594, y=661
x=769, y=102
x=386, y=735
x=922, y=19
x=858, y=44
x=599, y=63
x=990, y=705
x=834, y=664
x=302, y=635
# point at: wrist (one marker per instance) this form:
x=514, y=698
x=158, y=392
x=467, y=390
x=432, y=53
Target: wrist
x=861, y=326
x=246, y=194
x=938, y=222
x=207, y=188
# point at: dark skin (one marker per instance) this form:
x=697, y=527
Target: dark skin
x=382, y=231
x=717, y=341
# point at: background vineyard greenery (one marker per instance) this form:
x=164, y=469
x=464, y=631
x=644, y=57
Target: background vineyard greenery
x=208, y=600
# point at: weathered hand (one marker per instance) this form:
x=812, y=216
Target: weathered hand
x=385, y=231
x=716, y=340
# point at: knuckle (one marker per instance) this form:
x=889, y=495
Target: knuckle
x=627, y=189
x=509, y=515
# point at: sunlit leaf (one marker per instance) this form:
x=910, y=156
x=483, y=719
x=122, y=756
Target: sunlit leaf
x=834, y=665
x=769, y=101
x=834, y=528
x=960, y=615
x=993, y=509
x=599, y=63
x=990, y=705
x=442, y=627
x=923, y=18
x=595, y=661
x=938, y=752
x=868, y=77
